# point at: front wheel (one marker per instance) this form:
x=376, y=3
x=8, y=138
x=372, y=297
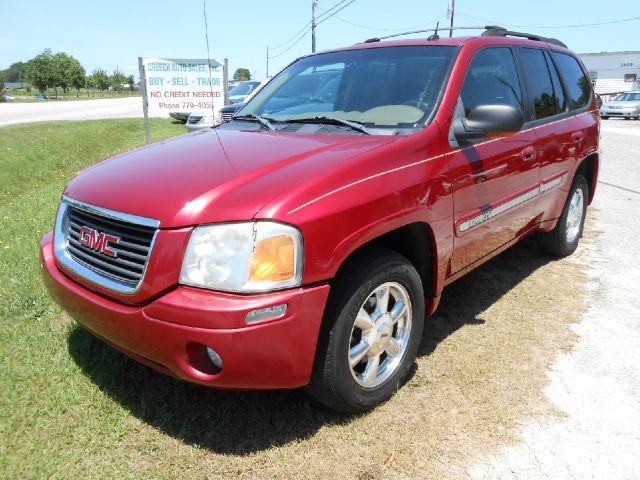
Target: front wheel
x=563, y=239
x=372, y=331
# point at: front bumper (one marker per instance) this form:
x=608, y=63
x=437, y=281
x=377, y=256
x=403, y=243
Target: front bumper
x=620, y=113
x=171, y=332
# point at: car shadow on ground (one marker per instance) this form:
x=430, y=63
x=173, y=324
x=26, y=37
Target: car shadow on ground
x=237, y=423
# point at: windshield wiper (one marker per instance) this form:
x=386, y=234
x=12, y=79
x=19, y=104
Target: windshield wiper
x=331, y=121
x=262, y=120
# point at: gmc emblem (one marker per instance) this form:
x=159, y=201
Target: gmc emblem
x=98, y=241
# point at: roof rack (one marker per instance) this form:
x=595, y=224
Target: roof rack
x=495, y=31
x=436, y=30
x=489, y=30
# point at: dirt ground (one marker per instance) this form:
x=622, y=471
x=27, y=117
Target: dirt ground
x=596, y=385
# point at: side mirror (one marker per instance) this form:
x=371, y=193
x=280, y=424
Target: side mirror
x=485, y=120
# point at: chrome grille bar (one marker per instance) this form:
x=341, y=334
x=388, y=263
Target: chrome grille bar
x=122, y=267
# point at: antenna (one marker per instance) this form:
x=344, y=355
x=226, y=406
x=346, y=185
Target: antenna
x=206, y=34
x=435, y=35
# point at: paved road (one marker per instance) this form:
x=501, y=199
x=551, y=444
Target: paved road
x=13, y=113
x=597, y=385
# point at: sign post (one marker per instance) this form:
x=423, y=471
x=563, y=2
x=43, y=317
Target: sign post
x=145, y=101
x=182, y=85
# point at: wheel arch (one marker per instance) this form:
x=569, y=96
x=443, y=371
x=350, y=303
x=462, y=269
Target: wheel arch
x=588, y=167
x=415, y=241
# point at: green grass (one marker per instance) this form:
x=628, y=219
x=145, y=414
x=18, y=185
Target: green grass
x=43, y=397
x=72, y=407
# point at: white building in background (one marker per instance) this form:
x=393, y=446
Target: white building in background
x=613, y=72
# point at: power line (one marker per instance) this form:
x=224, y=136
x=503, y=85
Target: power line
x=367, y=27
x=323, y=17
x=306, y=26
x=547, y=26
x=337, y=11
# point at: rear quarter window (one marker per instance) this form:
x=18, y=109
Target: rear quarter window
x=576, y=81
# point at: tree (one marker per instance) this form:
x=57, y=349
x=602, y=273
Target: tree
x=40, y=71
x=68, y=72
x=118, y=80
x=132, y=82
x=242, y=74
x=15, y=72
x=100, y=79
x=76, y=75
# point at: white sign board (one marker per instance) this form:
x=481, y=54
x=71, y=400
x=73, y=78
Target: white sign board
x=183, y=85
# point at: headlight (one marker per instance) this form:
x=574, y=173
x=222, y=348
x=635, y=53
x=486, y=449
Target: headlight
x=244, y=257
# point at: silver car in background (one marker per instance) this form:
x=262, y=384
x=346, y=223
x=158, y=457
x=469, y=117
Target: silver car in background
x=625, y=105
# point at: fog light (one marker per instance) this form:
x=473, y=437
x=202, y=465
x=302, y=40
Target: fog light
x=267, y=313
x=214, y=357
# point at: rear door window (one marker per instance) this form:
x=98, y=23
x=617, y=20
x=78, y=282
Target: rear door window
x=491, y=79
x=557, y=85
x=576, y=81
x=538, y=81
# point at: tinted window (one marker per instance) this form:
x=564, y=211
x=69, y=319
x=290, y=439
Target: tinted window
x=492, y=78
x=557, y=86
x=538, y=81
x=577, y=83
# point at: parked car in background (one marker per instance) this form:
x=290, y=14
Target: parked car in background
x=180, y=116
x=183, y=116
x=241, y=91
x=226, y=112
x=41, y=96
x=303, y=243
x=598, y=100
x=626, y=105
x=200, y=120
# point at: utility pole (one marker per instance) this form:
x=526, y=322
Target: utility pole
x=267, y=61
x=314, y=3
x=452, y=11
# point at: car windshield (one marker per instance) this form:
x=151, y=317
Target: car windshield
x=628, y=97
x=378, y=88
x=243, y=89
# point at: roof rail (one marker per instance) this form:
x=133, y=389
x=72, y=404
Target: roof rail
x=489, y=30
x=436, y=30
x=496, y=31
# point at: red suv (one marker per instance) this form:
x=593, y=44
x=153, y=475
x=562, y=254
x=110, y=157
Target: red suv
x=304, y=242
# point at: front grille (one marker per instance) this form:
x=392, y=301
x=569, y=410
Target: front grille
x=226, y=116
x=118, y=264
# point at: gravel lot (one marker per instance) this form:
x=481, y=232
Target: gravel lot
x=597, y=384
x=13, y=113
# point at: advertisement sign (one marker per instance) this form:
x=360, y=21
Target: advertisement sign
x=183, y=85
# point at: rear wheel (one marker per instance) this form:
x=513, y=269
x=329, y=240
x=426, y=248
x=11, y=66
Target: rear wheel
x=371, y=332
x=563, y=239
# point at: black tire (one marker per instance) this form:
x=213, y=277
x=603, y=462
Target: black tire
x=556, y=242
x=604, y=117
x=333, y=380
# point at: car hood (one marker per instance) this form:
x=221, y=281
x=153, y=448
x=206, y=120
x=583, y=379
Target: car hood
x=622, y=104
x=213, y=175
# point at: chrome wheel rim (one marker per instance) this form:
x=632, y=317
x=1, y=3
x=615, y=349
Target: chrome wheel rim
x=380, y=335
x=574, y=216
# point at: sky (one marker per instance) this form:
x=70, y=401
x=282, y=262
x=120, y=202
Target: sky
x=113, y=34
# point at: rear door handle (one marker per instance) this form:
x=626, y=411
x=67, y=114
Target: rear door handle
x=529, y=154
